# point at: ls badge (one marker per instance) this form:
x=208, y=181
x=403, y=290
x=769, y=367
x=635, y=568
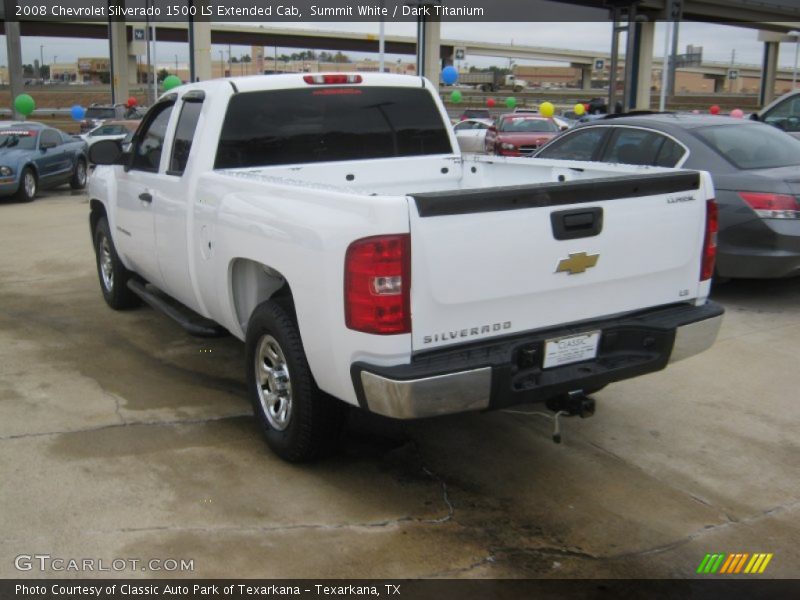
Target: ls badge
x=577, y=263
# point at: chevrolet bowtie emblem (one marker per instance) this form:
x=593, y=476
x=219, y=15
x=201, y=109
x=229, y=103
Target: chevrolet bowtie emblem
x=577, y=263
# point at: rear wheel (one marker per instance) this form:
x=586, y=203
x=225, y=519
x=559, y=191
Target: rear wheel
x=28, y=186
x=112, y=273
x=299, y=422
x=78, y=181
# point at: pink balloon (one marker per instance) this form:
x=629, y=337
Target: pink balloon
x=737, y=113
x=695, y=112
x=714, y=110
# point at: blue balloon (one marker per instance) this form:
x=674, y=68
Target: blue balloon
x=77, y=112
x=449, y=75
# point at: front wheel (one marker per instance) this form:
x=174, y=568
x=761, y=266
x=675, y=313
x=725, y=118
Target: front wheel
x=112, y=273
x=299, y=422
x=28, y=186
x=78, y=181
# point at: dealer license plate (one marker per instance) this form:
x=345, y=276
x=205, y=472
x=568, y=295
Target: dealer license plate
x=570, y=349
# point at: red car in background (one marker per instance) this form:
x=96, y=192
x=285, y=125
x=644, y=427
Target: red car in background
x=520, y=134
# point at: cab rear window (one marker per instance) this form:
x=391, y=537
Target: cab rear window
x=321, y=124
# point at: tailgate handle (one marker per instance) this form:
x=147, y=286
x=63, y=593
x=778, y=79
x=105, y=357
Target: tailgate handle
x=574, y=224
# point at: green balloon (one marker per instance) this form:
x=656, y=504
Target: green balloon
x=24, y=104
x=456, y=96
x=171, y=81
x=511, y=102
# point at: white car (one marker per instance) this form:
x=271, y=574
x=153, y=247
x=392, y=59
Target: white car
x=471, y=134
x=110, y=130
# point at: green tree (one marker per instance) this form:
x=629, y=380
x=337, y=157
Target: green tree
x=162, y=75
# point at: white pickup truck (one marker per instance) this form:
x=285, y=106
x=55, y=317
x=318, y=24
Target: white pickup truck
x=330, y=223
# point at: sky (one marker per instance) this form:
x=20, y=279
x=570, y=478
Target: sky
x=718, y=41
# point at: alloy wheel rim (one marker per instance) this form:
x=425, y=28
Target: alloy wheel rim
x=273, y=383
x=30, y=185
x=106, y=265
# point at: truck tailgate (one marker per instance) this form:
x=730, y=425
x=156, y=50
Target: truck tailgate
x=500, y=261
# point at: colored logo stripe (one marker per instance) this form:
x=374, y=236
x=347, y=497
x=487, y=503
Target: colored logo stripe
x=740, y=562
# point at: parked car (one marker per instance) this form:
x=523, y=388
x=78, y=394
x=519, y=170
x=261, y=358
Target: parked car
x=756, y=172
x=471, y=134
x=520, y=134
x=34, y=157
x=278, y=208
x=475, y=113
x=110, y=130
x=97, y=114
x=783, y=113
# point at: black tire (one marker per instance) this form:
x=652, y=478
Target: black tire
x=300, y=423
x=111, y=272
x=78, y=181
x=26, y=193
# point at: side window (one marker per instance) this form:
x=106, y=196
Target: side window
x=633, y=147
x=786, y=115
x=50, y=137
x=150, y=140
x=187, y=124
x=670, y=154
x=580, y=145
x=465, y=126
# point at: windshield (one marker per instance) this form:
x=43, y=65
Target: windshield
x=23, y=139
x=321, y=123
x=527, y=125
x=95, y=112
x=752, y=146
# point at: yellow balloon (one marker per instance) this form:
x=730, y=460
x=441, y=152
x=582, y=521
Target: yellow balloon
x=579, y=109
x=547, y=109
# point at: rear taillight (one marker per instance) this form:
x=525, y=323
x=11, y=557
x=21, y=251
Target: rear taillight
x=710, y=241
x=331, y=79
x=377, y=282
x=772, y=206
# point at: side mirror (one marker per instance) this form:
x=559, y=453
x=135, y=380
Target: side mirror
x=105, y=152
x=564, y=127
x=754, y=117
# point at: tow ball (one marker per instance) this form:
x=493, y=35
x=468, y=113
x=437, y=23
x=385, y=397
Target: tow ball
x=571, y=404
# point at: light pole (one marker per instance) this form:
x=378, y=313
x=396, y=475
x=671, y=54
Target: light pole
x=796, y=55
x=176, y=64
x=221, y=63
x=41, y=61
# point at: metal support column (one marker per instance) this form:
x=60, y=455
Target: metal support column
x=200, y=56
x=14, y=49
x=645, y=41
x=118, y=60
x=769, y=73
x=631, y=62
x=429, y=38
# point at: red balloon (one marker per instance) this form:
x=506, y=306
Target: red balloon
x=587, y=106
x=131, y=102
x=714, y=110
x=490, y=102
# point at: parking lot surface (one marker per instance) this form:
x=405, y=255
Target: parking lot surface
x=123, y=437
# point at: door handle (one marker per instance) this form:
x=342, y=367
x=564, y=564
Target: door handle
x=146, y=197
x=575, y=224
